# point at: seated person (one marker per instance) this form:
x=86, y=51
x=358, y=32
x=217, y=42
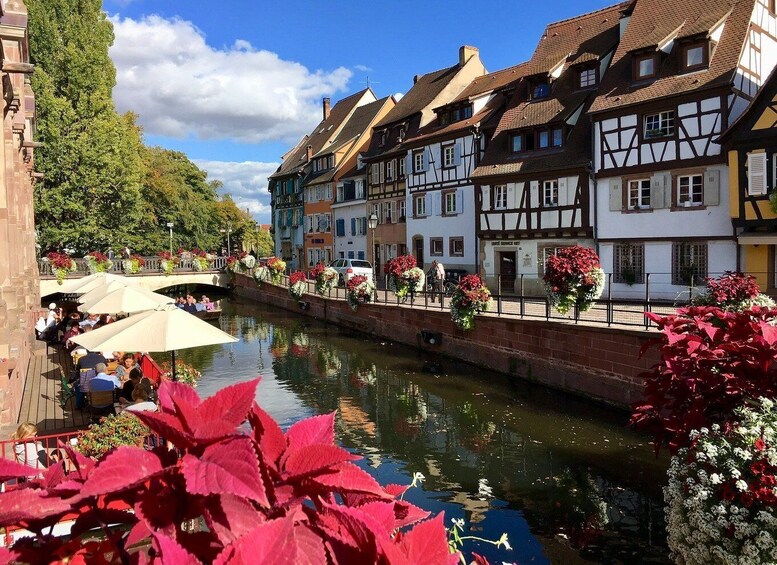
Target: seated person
x=126, y=364
x=91, y=320
x=140, y=400
x=72, y=331
x=133, y=380
x=102, y=377
x=191, y=305
x=27, y=449
x=90, y=360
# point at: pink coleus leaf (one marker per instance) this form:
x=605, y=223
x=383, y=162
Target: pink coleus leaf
x=229, y=405
x=406, y=514
x=352, y=527
x=350, y=478
x=13, y=470
x=318, y=430
x=272, y=543
x=314, y=458
x=121, y=470
x=310, y=546
x=26, y=504
x=172, y=553
x=268, y=434
x=229, y=467
x=769, y=333
x=230, y=517
x=427, y=544
x=168, y=426
x=395, y=490
x=169, y=391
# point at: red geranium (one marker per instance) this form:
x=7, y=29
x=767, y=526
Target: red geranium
x=398, y=265
x=316, y=271
x=297, y=276
x=60, y=260
x=569, y=267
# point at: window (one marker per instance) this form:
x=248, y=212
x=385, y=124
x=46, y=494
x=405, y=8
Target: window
x=350, y=254
x=340, y=227
x=466, y=112
x=645, y=67
x=639, y=194
x=418, y=161
x=587, y=77
x=544, y=140
x=360, y=255
x=516, y=143
x=550, y=192
x=629, y=263
x=541, y=90
x=544, y=253
x=694, y=56
x=382, y=138
x=401, y=167
x=376, y=211
x=388, y=217
x=359, y=189
x=448, y=156
x=557, y=135
x=756, y=174
x=500, y=197
x=689, y=263
x=419, y=206
x=435, y=246
x=450, y=203
x=690, y=190
x=457, y=246
x=375, y=173
x=401, y=210
x=390, y=169
x=659, y=125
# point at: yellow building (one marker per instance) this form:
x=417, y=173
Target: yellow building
x=751, y=142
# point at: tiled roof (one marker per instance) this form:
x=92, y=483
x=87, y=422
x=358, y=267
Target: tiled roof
x=651, y=23
x=492, y=81
x=420, y=95
x=434, y=130
x=360, y=120
x=320, y=135
x=576, y=40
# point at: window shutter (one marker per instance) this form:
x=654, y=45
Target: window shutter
x=393, y=208
x=457, y=153
x=427, y=159
x=712, y=186
x=485, y=191
x=364, y=225
x=459, y=201
x=353, y=226
x=437, y=201
x=756, y=175
x=562, y=192
x=408, y=163
x=534, y=194
x=329, y=191
x=511, y=196
x=340, y=223
x=616, y=195
x=427, y=204
x=657, y=191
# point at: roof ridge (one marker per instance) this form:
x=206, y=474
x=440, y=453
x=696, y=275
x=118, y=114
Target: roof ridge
x=588, y=14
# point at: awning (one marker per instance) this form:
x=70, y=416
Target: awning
x=756, y=238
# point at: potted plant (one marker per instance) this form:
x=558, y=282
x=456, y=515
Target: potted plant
x=325, y=277
x=734, y=292
x=61, y=264
x=111, y=432
x=359, y=289
x=247, y=261
x=199, y=260
x=184, y=372
x=469, y=298
x=133, y=265
x=98, y=262
x=167, y=262
x=277, y=267
x=404, y=276
x=298, y=284
x=573, y=277
x=261, y=273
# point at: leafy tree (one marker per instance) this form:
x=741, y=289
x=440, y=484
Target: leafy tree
x=91, y=193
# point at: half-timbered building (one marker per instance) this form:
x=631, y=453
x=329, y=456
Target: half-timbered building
x=751, y=143
x=679, y=77
x=441, y=159
x=533, y=188
x=320, y=185
x=286, y=184
x=386, y=162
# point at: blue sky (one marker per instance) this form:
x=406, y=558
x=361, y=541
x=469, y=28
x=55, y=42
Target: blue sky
x=235, y=84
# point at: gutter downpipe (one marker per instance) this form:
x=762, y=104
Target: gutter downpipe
x=592, y=177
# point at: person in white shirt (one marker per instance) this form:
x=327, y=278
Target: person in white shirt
x=437, y=276
x=141, y=402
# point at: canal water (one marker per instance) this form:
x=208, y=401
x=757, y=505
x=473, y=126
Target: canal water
x=562, y=477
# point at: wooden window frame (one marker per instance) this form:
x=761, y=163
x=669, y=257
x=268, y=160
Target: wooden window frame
x=512, y=139
x=545, y=202
x=627, y=194
x=401, y=168
x=637, y=59
x=432, y=242
x=416, y=169
x=676, y=204
x=699, y=273
x=552, y=138
x=421, y=198
x=670, y=134
x=704, y=45
x=452, y=246
x=620, y=273
x=443, y=149
x=579, y=77
x=496, y=199
x=445, y=195
x=539, y=138
x=389, y=168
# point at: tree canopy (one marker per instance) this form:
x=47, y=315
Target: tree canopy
x=102, y=187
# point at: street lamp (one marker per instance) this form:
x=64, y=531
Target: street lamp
x=228, y=231
x=170, y=227
x=372, y=223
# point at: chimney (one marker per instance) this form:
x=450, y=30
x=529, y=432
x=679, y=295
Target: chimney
x=415, y=78
x=327, y=102
x=310, y=147
x=466, y=52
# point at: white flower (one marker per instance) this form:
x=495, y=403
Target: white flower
x=741, y=485
x=716, y=479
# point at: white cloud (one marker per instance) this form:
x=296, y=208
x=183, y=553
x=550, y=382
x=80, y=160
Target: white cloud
x=362, y=68
x=398, y=96
x=180, y=86
x=246, y=182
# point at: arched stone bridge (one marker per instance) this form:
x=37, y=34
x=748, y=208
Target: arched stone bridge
x=151, y=278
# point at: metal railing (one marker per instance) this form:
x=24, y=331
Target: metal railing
x=152, y=267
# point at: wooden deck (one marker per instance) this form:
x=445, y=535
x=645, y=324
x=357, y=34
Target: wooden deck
x=41, y=401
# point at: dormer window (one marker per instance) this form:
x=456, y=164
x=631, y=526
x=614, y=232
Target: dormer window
x=645, y=66
x=382, y=138
x=541, y=90
x=694, y=56
x=516, y=143
x=587, y=77
x=455, y=114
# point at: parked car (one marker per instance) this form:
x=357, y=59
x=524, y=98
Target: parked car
x=346, y=268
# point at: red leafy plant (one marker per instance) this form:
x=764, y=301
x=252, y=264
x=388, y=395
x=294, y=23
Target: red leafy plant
x=398, y=265
x=573, y=277
x=297, y=284
x=59, y=260
x=264, y=496
x=712, y=362
x=733, y=291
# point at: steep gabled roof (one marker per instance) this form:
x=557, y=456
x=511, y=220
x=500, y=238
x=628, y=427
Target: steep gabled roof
x=492, y=81
x=762, y=106
x=651, y=25
x=360, y=120
x=326, y=129
x=425, y=89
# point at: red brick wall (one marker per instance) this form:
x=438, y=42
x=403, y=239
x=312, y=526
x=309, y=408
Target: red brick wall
x=596, y=362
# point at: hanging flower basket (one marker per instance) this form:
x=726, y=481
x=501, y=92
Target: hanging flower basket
x=184, y=373
x=733, y=292
x=247, y=261
x=573, y=277
x=61, y=264
x=236, y=263
x=721, y=504
x=297, y=284
x=261, y=274
x=325, y=277
x=404, y=276
x=359, y=289
x=98, y=262
x=469, y=298
x=199, y=260
x=277, y=267
x=133, y=265
x=167, y=262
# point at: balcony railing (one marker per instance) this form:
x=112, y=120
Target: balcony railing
x=152, y=266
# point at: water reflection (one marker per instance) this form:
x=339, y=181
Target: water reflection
x=564, y=478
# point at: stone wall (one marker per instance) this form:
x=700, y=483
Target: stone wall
x=19, y=292
x=599, y=363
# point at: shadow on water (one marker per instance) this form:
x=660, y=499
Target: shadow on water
x=562, y=476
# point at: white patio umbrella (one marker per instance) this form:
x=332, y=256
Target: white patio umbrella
x=102, y=290
x=85, y=284
x=125, y=300
x=165, y=328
